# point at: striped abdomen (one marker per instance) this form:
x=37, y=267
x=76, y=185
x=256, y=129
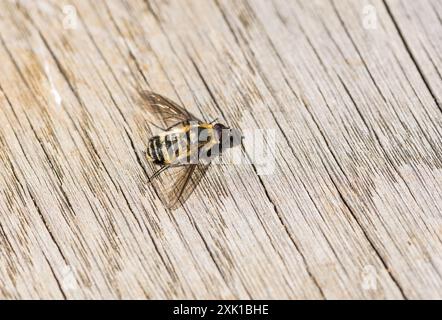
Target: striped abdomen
x=179, y=144
x=155, y=150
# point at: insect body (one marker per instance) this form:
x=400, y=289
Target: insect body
x=180, y=143
x=187, y=145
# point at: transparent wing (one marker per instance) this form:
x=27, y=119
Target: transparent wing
x=176, y=184
x=167, y=110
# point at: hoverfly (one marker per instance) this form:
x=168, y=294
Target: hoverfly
x=185, y=146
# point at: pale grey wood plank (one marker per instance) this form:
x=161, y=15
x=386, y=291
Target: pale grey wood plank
x=88, y=85
x=214, y=64
x=419, y=24
x=69, y=180
x=386, y=143
x=351, y=211
x=334, y=289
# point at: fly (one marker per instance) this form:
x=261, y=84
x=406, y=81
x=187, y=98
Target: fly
x=185, y=146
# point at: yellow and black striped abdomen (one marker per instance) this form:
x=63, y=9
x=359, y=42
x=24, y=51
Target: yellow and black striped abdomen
x=167, y=148
x=178, y=144
x=155, y=150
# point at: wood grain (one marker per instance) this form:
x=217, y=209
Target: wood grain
x=352, y=209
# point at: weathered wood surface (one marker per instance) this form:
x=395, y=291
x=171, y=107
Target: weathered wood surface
x=353, y=209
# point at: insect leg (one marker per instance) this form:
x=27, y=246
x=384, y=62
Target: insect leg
x=156, y=126
x=158, y=172
x=175, y=124
x=162, y=169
